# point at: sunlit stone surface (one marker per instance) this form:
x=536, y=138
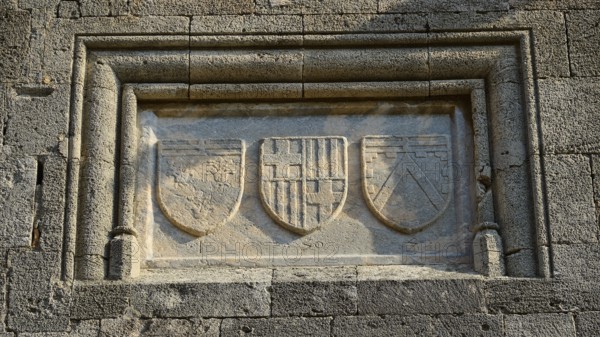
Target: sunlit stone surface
x=334, y=183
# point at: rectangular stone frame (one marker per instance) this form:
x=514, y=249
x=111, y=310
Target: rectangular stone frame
x=492, y=69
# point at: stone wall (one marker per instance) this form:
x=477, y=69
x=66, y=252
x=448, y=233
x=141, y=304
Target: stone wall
x=42, y=44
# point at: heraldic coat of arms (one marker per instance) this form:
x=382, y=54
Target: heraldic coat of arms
x=200, y=182
x=303, y=181
x=407, y=180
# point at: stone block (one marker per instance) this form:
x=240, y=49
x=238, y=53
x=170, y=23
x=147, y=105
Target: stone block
x=100, y=300
x=579, y=261
x=584, y=37
x=44, y=310
x=95, y=7
x=293, y=326
x=488, y=258
x=18, y=178
x=88, y=328
x=596, y=179
x=468, y=325
x=587, y=323
x=3, y=298
x=190, y=7
x=38, y=300
x=212, y=293
x=124, y=257
x=207, y=300
x=174, y=327
x=549, y=43
x=78, y=329
x=355, y=23
x=50, y=214
x=401, y=6
x=279, y=6
x=320, y=291
x=249, y=66
x=14, y=44
x=568, y=115
x=246, y=91
x=127, y=325
x=381, y=326
x=376, y=64
x=68, y=10
x=382, y=293
x=521, y=263
x=315, y=6
x=244, y=24
x=542, y=325
x=26, y=131
x=554, y=4
x=59, y=40
x=572, y=215
x=338, y=6
x=522, y=296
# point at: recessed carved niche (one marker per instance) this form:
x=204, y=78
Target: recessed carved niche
x=273, y=151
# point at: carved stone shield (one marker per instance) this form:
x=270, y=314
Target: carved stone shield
x=304, y=181
x=200, y=182
x=407, y=180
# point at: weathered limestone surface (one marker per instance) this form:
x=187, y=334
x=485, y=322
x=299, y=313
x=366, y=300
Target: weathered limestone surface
x=571, y=208
x=14, y=42
x=548, y=151
x=568, y=109
x=584, y=35
x=17, y=201
x=540, y=325
x=298, y=326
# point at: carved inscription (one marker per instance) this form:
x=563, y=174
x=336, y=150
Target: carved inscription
x=200, y=182
x=407, y=180
x=304, y=181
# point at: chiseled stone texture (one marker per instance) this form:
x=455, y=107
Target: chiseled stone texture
x=587, y=323
x=315, y=6
x=17, y=201
x=381, y=326
x=403, y=6
x=29, y=134
x=579, y=261
x=284, y=327
x=409, y=291
x=542, y=325
x=569, y=115
x=439, y=325
x=584, y=38
x=14, y=42
x=572, y=215
x=38, y=301
x=314, y=291
x=190, y=7
x=554, y=4
x=525, y=296
x=191, y=327
x=549, y=41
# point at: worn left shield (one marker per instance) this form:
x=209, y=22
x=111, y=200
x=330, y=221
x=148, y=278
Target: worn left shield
x=200, y=182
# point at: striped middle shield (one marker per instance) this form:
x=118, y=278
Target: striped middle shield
x=303, y=180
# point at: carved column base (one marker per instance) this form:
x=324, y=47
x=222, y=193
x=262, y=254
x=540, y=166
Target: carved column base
x=488, y=256
x=124, y=254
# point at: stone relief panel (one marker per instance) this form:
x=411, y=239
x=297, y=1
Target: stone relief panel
x=407, y=180
x=200, y=182
x=324, y=91
x=302, y=174
x=303, y=181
